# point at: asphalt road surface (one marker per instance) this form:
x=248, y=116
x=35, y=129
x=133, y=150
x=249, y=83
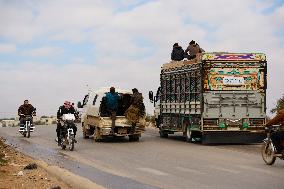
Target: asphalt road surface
x=153, y=162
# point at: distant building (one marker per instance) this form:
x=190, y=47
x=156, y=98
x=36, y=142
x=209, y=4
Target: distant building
x=48, y=120
x=36, y=119
x=10, y=123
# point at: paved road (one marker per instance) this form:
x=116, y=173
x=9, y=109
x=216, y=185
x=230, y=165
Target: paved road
x=154, y=162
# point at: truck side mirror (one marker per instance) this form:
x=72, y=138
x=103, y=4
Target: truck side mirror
x=79, y=105
x=151, y=96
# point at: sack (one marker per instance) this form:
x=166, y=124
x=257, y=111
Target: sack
x=132, y=114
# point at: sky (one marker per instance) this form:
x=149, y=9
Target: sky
x=56, y=50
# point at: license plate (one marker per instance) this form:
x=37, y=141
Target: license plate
x=233, y=81
x=122, y=130
x=233, y=128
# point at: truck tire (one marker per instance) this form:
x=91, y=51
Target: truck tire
x=188, y=134
x=85, y=136
x=163, y=134
x=133, y=138
x=97, y=136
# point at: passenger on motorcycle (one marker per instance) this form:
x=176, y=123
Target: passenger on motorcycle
x=66, y=108
x=26, y=110
x=277, y=137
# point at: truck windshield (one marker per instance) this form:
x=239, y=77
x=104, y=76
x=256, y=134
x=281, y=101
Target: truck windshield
x=234, y=78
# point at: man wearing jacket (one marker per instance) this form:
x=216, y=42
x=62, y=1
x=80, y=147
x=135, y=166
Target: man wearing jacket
x=26, y=110
x=177, y=53
x=66, y=108
x=112, y=105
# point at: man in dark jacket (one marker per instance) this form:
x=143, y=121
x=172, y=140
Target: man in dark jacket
x=66, y=108
x=137, y=103
x=26, y=110
x=112, y=105
x=177, y=53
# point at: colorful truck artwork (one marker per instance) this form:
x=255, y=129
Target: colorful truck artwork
x=216, y=98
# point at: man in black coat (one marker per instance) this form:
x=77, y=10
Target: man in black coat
x=26, y=110
x=177, y=53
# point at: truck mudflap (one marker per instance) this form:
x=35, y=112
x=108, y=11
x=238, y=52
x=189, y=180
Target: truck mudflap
x=232, y=137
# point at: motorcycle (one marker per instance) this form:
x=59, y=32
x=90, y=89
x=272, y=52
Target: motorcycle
x=268, y=150
x=67, y=133
x=27, y=127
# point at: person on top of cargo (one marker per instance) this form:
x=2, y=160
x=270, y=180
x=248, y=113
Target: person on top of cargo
x=66, y=108
x=177, y=53
x=277, y=137
x=112, y=98
x=26, y=110
x=200, y=49
x=192, y=50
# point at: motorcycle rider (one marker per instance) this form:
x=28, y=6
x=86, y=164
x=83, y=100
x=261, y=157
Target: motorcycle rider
x=66, y=108
x=24, y=110
x=277, y=137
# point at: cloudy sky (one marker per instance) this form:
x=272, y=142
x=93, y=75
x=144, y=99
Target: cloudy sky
x=55, y=50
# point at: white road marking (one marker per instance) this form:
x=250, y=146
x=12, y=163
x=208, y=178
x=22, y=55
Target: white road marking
x=152, y=171
x=225, y=170
x=183, y=169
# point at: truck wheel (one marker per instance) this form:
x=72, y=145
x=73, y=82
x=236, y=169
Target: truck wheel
x=133, y=138
x=97, y=136
x=188, y=134
x=163, y=134
x=85, y=136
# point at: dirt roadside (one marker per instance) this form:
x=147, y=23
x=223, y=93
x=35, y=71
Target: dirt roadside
x=14, y=175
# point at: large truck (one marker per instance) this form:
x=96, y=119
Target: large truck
x=96, y=120
x=215, y=98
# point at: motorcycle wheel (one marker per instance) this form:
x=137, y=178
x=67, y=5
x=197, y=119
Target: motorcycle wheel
x=63, y=146
x=28, y=131
x=63, y=143
x=268, y=152
x=71, y=143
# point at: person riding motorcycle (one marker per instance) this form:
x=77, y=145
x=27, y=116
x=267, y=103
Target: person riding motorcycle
x=24, y=110
x=277, y=137
x=66, y=108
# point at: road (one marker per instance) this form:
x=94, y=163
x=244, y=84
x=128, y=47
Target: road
x=154, y=162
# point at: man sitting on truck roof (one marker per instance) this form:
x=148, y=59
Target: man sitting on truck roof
x=193, y=49
x=112, y=105
x=177, y=53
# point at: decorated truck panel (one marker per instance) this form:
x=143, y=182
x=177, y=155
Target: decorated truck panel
x=216, y=98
